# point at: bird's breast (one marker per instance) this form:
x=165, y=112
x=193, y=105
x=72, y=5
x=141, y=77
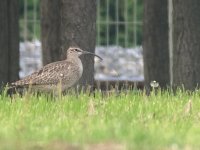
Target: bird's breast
x=73, y=73
x=79, y=68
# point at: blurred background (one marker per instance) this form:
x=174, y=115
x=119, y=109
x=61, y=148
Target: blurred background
x=118, y=39
x=140, y=40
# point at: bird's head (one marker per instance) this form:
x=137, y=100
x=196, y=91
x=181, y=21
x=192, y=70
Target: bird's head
x=76, y=52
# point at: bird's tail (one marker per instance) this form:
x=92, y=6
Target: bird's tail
x=11, y=89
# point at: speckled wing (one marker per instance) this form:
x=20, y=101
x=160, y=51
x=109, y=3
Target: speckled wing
x=52, y=73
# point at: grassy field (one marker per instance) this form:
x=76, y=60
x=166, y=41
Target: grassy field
x=129, y=120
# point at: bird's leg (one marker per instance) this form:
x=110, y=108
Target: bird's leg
x=76, y=90
x=57, y=94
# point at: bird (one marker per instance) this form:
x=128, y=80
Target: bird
x=63, y=74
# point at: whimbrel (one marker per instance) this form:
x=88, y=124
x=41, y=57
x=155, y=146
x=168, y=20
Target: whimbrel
x=65, y=73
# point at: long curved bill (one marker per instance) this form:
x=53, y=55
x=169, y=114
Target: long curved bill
x=89, y=53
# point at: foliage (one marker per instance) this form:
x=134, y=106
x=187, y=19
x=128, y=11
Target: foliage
x=159, y=121
x=33, y=25
x=123, y=25
x=33, y=29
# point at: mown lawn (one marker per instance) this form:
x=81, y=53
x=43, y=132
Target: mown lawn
x=128, y=120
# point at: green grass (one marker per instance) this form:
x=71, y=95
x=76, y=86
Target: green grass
x=130, y=121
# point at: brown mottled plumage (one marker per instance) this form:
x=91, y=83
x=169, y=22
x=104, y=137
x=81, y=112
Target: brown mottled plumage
x=64, y=73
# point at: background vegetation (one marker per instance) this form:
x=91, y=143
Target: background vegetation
x=33, y=26
x=33, y=30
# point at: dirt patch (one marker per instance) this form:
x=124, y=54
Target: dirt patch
x=105, y=146
x=60, y=145
x=99, y=146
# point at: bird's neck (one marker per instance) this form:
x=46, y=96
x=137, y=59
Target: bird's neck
x=73, y=59
x=76, y=61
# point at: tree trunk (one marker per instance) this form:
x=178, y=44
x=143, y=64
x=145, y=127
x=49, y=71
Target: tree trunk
x=50, y=33
x=155, y=42
x=9, y=41
x=186, y=41
x=68, y=23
